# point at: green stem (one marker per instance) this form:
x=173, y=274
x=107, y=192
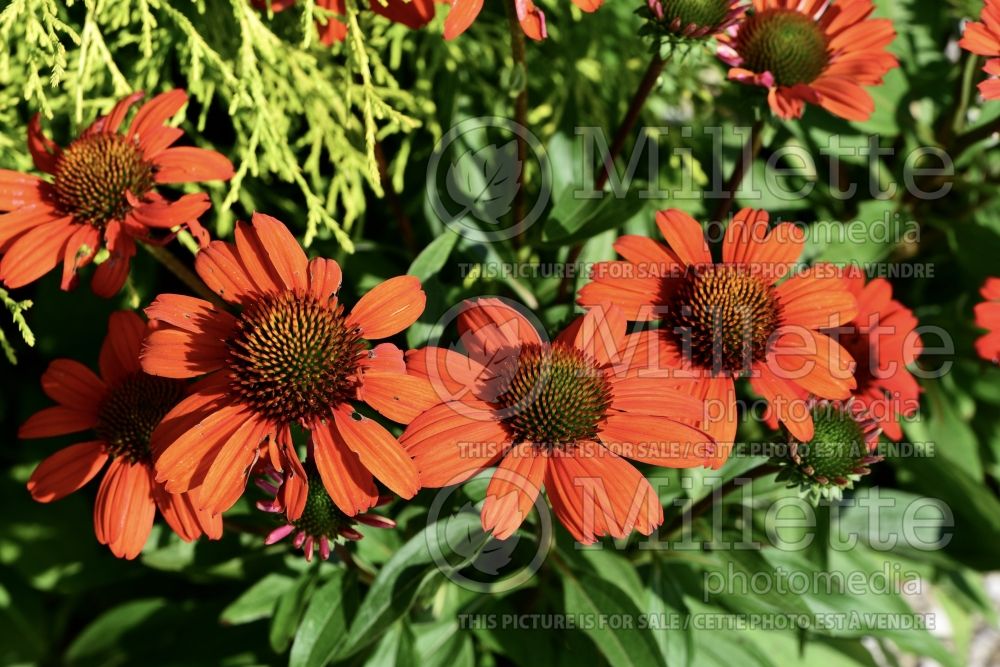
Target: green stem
x=519, y=54
x=183, y=273
x=745, y=160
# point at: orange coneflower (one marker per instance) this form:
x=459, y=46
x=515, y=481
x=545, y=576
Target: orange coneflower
x=882, y=340
x=566, y=414
x=815, y=51
x=102, y=194
x=723, y=320
x=321, y=523
x=413, y=14
x=121, y=407
x=988, y=317
x=695, y=19
x=983, y=39
x=292, y=356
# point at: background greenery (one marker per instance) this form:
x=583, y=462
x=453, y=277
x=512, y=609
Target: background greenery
x=307, y=127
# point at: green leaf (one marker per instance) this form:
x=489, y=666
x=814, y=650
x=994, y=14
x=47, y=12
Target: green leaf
x=575, y=219
x=103, y=637
x=433, y=258
x=395, y=649
x=443, y=644
x=324, y=625
x=258, y=601
x=595, y=601
x=442, y=547
x=289, y=610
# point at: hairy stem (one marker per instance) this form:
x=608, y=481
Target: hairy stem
x=625, y=128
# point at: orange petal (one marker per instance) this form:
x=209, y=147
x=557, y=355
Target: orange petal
x=451, y=442
x=398, y=397
x=378, y=450
x=684, y=236
x=659, y=441
x=73, y=385
x=66, y=471
x=491, y=329
x=227, y=476
x=56, y=421
x=287, y=257
x=325, y=277
x=174, y=353
x=388, y=308
x=189, y=164
x=461, y=16
x=124, y=511
x=35, y=253
x=223, y=272
x=120, y=350
x=513, y=489
x=345, y=478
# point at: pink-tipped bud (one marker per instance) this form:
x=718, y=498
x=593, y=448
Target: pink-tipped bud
x=324, y=548
x=300, y=537
x=279, y=534
x=351, y=534
x=308, y=548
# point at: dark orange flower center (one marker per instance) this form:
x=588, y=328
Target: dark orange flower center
x=94, y=173
x=700, y=13
x=553, y=395
x=859, y=345
x=293, y=359
x=722, y=318
x=784, y=42
x=132, y=410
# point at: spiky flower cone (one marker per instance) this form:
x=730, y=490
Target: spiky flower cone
x=839, y=453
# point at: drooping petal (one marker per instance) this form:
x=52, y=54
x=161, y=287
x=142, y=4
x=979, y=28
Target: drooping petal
x=44, y=151
x=109, y=277
x=349, y=483
x=513, y=489
x=183, y=516
x=66, y=471
x=461, y=16
x=230, y=468
x=36, y=252
x=124, y=511
x=378, y=450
